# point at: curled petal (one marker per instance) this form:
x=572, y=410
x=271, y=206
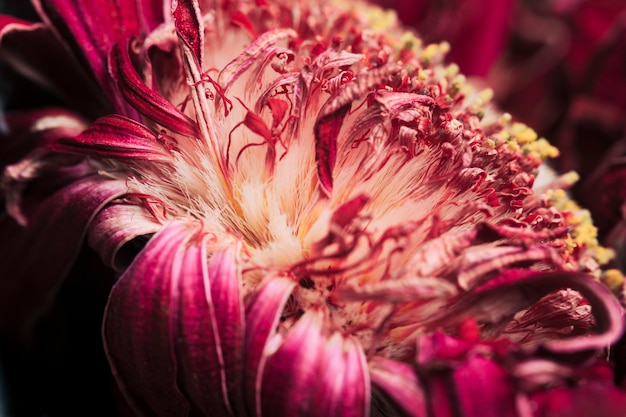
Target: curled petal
x=498, y=300
x=115, y=137
x=137, y=330
x=35, y=259
x=145, y=100
x=115, y=226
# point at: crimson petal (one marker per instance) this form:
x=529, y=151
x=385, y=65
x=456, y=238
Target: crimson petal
x=35, y=259
x=188, y=21
x=145, y=100
x=137, y=332
x=91, y=28
x=116, y=137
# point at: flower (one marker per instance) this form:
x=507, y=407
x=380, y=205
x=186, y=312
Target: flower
x=311, y=215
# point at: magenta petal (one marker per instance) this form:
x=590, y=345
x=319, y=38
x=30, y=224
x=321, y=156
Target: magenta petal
x=115, y=137
x=262, y=315
x=36, y=258
x=137, y=331
x=199, y=348
x=344, y=384
x=116, y=225
x=145, y=100
x=484, y=388
x=291, y=374
x=91, y=28
x=398, y=382
x=225, y=278
x=311, y=375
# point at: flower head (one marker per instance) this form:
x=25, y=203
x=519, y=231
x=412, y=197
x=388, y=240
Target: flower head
x=320, y=194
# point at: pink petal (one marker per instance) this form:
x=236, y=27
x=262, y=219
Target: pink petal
x=398, y=382
x=291, y=374
x=145, y=100
x=115, y=226
x=35, y=259
x=116, y=137
x=200, y=349
x=34, y=51
x=225, y=278
x=311, y=375
x=138, y=327
x=91, y=28
x=262, y=315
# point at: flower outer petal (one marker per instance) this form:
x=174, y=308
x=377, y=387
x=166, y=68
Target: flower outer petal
x=115, y=137
x=145, y=100
x=37, y=258
x=116, y=225
x=137, y=332
x=399, y=383
x=262, y=316
x=291, y=375
x=200, y=350
x=92, y=28
x=225, y=278
x=310, y=374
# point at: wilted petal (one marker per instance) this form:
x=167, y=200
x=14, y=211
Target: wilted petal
x=145, y=100
x=138, y=329
x=498, y=300
x=115, y=137
x=36, y=258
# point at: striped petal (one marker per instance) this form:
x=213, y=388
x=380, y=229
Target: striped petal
x=137, y=331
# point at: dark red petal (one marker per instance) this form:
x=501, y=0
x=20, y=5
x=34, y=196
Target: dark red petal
x=137, y=331
x=36, y=258
x=188, y=22
x=398, y=382
x=91, y=28
x=145, y=100
x=115, y=137
x=262, y=315
x=34, y=51
x=200, y=349
x=326, y=132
